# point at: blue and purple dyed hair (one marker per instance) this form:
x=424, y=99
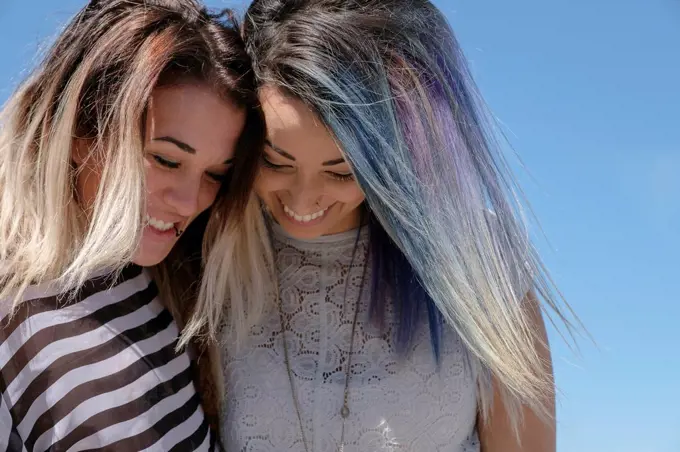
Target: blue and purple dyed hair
x=389, y=80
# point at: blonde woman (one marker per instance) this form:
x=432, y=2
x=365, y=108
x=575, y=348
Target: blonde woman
x=136, y=136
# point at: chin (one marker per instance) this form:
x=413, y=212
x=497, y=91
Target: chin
x=148, y=259
x=146, y=262
x=307, y=232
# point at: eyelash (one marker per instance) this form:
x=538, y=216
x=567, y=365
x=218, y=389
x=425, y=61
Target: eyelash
x=269, y=164
x=219, y=178
x=336, y=176
x=341, y=177
x=165, y=162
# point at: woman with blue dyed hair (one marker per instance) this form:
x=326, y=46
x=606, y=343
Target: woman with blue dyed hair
x=407, y=310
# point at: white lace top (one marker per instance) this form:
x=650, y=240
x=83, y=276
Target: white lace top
x=397, y=402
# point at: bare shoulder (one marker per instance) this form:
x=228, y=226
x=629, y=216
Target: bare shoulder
x=535, y=434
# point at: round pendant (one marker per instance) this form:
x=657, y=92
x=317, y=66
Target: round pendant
x=344, y=412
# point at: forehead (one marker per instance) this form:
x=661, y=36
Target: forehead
x=196, y=115
x=295, y=128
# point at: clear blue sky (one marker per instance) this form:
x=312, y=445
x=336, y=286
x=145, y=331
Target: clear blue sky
x=587, y=91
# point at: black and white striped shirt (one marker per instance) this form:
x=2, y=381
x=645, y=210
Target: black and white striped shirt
x=97, y=370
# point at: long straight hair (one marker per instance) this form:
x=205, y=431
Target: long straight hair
x=389, y=80
x=93, y=86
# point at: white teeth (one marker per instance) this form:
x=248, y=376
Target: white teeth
x=303, y=218
x=158, y=224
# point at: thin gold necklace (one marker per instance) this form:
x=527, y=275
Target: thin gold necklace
x=344, y=411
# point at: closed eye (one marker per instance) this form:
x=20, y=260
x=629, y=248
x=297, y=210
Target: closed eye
x=217, y=177
x=344, y=177
x=165, y=162
x=269, y=164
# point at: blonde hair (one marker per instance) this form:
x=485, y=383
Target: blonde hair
x=240, y=274
x=94, y=84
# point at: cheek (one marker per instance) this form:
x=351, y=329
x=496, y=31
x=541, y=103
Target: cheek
x=268, y=182
x=87, y=184
x=207, y=196
x=346, y=192
x=155, y=179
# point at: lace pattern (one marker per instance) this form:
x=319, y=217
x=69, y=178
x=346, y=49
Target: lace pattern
x=397, y=402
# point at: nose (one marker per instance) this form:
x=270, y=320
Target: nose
x=184, y=196
x=305, y=193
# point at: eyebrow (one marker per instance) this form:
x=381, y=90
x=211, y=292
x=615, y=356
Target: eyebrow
x=180, y=144
x=285, y=154
x=334, y=162
x=185, y=147
x=279, y=151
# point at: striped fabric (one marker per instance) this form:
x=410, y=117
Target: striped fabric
x=97, y=370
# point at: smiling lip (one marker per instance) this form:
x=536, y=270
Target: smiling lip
x=160, y=228
x=170, y=233
x=304, y=220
